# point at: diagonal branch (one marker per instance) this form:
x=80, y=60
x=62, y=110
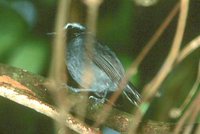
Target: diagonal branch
x=28, y=90
x=151, y=88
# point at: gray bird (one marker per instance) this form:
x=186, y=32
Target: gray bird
x=106, y=69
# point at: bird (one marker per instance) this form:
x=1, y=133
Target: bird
x=101, y=62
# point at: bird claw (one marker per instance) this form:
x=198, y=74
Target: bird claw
x=97, y=100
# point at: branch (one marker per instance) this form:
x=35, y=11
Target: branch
x=28, y=90
x=133, y=68
x=151, y=88
x=188, y=49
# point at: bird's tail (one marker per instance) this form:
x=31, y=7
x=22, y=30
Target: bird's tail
x=132, y=95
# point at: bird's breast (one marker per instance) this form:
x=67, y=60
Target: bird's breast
x=85, y=72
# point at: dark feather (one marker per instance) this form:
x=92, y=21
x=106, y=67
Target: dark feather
x=107, y=61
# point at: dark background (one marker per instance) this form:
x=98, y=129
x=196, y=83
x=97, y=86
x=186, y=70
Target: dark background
x=122, y=25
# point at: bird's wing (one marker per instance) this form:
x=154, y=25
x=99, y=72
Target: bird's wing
x=107, y=61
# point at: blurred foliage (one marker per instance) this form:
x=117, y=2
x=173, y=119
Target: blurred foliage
x=122, y=25
x=34, y=54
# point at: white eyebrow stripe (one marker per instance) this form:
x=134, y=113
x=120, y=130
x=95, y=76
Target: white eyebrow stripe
x=74, y=25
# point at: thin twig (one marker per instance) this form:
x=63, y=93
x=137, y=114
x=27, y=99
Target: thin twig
x=92, y=15
x=188, y=49
x=192, y=119
x=192, y=91
x=151, y=88
x=188, y=112
x=59, y=43
x=133, y=68
x=57, y=74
